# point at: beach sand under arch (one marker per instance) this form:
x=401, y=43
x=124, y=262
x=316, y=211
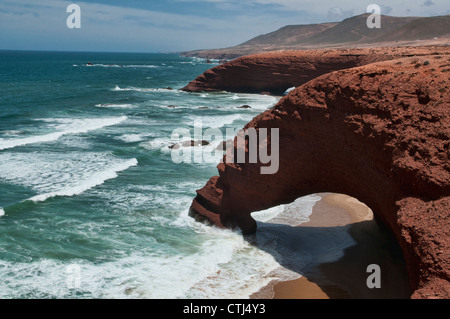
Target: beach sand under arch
x=342, y=238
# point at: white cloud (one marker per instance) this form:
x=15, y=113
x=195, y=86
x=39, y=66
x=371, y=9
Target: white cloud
x=102, y=24
x=338, y=14
x=31, y=24
x=320, y=8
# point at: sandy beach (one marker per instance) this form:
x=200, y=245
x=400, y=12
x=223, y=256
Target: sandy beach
x=342, y=238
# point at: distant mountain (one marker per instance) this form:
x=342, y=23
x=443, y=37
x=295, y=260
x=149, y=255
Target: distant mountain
x=351, y=32
x=290, y=35
x=420, y=29
x=355, y=29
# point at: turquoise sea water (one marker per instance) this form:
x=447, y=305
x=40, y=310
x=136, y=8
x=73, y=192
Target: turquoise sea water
x=91, y=203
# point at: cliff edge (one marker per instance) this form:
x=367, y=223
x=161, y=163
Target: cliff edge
x=275, y=72
x=379, y=133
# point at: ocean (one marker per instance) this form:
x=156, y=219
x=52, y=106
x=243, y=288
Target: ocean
x=92, y=205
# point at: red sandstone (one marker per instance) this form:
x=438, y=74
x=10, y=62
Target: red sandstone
x=379, y=133
x=275, y=72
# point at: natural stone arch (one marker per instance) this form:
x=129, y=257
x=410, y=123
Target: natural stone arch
x=379, y=133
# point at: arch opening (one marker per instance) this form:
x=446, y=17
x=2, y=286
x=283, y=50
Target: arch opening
x=325, y=243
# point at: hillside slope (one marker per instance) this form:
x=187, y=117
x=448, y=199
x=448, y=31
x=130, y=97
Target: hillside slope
x=349, y=33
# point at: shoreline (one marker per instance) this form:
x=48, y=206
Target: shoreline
x=344, y=276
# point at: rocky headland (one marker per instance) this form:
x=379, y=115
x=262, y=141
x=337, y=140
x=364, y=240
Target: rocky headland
x=370, y=123
x=275, y=72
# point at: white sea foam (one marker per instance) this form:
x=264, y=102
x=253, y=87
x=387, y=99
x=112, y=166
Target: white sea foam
x=292, y=214
x=2, y=212
x=135, y=89
x=131, y=138
x=253, y=264
x=223, y=265
x=157, y=143
x=142, y=274
x=117, y=88
x=63, y=127
x=247, y=269
x=257, y=101
x=141, y=66
x=95, y=179
x=228, y=266
x=12, y=132
x=122, y=65
x=268, y=214
x=217, y=121
x=54, y=174
x=139, y=275
x=124, y=106
x=289, y=90
x=11, y=143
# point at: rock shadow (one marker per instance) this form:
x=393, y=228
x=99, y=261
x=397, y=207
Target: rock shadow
x=336, y=258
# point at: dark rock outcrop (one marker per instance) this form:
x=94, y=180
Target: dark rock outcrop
x=225, y=145
x=379, y=133
x=190, y=143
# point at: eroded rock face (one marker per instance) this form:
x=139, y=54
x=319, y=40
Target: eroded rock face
x=275, y=72
x=379, y=133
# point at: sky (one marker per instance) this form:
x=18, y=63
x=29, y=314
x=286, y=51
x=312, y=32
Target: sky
x=175, y=25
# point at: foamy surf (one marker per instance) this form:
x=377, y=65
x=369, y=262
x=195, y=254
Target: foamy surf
x=131, y=138
x=136, y=89
x=217, y=121
x=120, y=65
x=2, y=212
x=65, y=127
x=91, y=182
x=119, y=225
x=119, y=106
x=12, y=132
x=256, y=101
x=252, y=263
x=51, y=174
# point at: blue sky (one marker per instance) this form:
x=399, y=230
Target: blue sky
x=175, y=25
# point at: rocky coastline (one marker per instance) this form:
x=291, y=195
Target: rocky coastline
x=370, y=123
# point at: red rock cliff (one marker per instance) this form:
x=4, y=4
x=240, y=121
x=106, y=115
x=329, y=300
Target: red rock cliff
x=380, y=133
x=275, y=72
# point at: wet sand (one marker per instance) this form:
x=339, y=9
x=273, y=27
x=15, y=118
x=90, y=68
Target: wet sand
x=335, y=218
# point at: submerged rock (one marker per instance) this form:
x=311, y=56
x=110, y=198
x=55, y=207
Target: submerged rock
x=191, y=143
